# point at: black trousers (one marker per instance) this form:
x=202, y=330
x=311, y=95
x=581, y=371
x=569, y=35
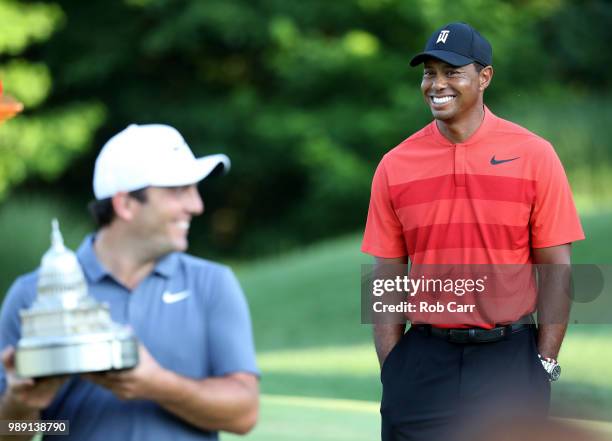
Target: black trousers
x=436, y=390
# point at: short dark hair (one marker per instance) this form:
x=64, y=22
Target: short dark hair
x=478, y=66
x=103, y=212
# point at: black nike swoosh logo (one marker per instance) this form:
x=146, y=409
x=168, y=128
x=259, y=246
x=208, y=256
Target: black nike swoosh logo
x=501, y=161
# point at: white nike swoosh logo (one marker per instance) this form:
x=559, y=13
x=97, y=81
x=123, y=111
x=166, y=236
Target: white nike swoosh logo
x=173, y=297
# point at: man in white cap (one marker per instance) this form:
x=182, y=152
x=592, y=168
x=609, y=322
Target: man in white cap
x=197, y=373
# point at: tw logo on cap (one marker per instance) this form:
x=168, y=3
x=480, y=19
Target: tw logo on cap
x=442, y=36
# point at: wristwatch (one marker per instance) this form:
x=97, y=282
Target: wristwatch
x=551, y=367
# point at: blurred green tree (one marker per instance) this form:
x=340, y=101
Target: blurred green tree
x=578, y=39
x=39, y=143
x=305, y=97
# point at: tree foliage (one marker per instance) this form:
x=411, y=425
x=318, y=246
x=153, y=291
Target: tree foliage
x=42, y=141
x=305, y=96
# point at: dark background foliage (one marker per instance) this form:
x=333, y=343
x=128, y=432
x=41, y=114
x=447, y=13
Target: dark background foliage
x=304, y=96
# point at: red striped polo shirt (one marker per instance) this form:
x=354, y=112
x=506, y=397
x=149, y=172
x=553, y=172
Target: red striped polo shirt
x=487, y=200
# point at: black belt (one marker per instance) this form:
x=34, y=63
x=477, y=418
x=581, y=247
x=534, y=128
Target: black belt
x=477, y=335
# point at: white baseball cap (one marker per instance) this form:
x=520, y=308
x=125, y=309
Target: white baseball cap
x=149, y=155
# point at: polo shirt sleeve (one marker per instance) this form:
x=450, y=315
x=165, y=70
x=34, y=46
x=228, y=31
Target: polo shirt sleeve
x=10, y=323
x=383, y=235
x=230, y=333
x=554, y=219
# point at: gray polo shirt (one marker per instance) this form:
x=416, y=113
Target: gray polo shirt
x=191, y=315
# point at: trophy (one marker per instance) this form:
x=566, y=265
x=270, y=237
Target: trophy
x=66, y=331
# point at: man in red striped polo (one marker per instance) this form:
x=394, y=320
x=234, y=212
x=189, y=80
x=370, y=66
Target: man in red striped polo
x=469, y=188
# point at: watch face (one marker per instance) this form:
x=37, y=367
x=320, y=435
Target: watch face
x=555, y=373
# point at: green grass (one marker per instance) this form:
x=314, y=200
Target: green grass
x=320, y=374
x=352, y=373
x=311, y=297
x=307, y=419
x=597, y=248
x=307, y=298
x=306, y=315
x=286, y=418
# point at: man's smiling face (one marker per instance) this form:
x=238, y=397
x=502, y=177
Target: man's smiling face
x=451, y=91
x=162, y=221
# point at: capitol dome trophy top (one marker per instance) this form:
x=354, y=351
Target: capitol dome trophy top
x=66, y=331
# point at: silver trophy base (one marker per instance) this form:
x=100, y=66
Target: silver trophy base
x=40, y=357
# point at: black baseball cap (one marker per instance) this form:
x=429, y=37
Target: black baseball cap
x=457, y=44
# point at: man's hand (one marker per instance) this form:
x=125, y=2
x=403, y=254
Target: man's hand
x=228, y=402
x=387, y=335
x=28, y=394
x=138, y=383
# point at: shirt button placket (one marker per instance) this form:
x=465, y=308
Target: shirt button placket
x=460, y=153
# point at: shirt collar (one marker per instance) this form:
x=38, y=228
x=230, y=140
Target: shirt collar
x=166, y=266
x=95, y=271
x=489, y=121
x=89, y=261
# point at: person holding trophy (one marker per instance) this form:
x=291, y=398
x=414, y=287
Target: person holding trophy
x=196, y=373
